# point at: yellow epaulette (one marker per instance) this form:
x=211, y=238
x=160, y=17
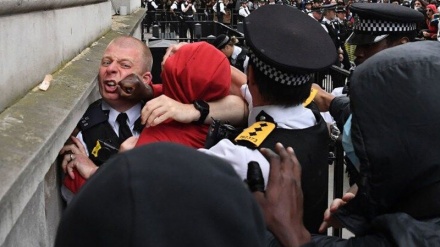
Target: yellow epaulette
x=96, y=149
x=254, y=135
x=312, y=95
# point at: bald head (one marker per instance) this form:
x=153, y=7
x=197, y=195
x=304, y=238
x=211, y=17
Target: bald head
x=146, y=58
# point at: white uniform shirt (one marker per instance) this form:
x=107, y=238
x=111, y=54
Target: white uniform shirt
x=297, y=117
x=234, y=56
x=133, y=114
x=153, y=3
x=184, y=6
x=222, y=7
x=244, y=11
x=174, y=6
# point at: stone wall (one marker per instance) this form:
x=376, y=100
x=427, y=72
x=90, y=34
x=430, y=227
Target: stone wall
x=66, y=41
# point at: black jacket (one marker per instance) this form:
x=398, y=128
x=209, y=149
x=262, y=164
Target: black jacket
x=395, y=134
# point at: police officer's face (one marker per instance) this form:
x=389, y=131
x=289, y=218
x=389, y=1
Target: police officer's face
x=363, y=52
x=228, y=50
x=341, y=15
x=119, y=60
x=331, y=14
x=317, y=15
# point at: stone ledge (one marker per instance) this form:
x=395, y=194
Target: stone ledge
x=33, y=130
x=16, y=7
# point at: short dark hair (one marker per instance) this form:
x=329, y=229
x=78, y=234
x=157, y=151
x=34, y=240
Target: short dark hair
x=393, y=37
x=278, y=94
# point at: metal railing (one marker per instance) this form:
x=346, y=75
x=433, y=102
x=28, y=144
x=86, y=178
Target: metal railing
x=336, y=155
x=199, y=15
x=196, y=30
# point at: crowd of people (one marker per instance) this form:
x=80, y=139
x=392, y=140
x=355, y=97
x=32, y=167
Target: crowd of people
x=138, y=171
x=336, y=17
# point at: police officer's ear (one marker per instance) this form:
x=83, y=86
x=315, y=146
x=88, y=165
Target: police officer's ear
x=404, y=40
x=147, y=78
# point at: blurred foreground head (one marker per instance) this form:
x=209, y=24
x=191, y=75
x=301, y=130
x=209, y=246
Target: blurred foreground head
x=163, y=194
x=395, y=129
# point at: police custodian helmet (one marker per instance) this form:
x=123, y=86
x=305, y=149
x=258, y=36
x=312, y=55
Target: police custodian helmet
x=375, y=21
x=287, y=45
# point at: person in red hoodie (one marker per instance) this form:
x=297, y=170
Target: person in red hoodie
x=196, y=73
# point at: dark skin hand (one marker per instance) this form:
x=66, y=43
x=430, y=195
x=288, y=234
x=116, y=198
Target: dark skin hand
x=133, y=88
x=322, y=98
x=282, y=204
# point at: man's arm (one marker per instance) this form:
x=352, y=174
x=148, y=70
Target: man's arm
x=340, y=110
x=230, y=108
x=339, y=107
x=322, y=98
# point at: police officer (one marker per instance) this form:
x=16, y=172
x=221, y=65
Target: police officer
x=316, y=14
x=188, y=11
x=345, y=29
x=244, y=11
x=238, y=56
x=112, y=119
x=279, y=74
x=219, y=9
x=377, y=27
x=308, y=6
x=397, y=203
x=176, y=17
x=333, y=27
x=151, y=13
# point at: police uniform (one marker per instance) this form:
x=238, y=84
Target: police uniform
x=239, y=57
x=332, y=25
x=99, y=132
x=188, y=18
x=333, y=28
x=243, y=12
x=344, y=31
x=176, y=16
x=219, y=9
x=295, y=126
x=305, y=10
x=99, y=129
x=317, y=9
x=151, y=13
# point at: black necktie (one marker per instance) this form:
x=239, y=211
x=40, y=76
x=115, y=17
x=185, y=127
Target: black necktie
x=124, y=130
